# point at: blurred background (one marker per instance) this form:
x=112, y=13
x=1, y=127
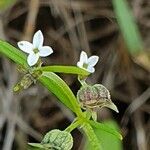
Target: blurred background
x=118, y=31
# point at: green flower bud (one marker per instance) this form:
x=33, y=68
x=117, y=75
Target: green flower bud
x=59, y=140
x=95, y=96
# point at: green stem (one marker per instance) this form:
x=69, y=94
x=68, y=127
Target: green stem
x=93, y=140
x=74, y=125
x=82, y=81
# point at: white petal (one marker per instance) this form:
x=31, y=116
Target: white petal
x=80, y=64
x=38, y=39
x=32, y=59
x=83, y=57
x=45, y=51
x=25, y=46
x=90, y=69
x=93, y=60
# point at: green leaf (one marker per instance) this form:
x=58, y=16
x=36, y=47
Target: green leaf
x=65, y=69
x=50, y=80
x=39, y=146
x=57, y=86
x=128, y=26
x=13, y=53
x=6, y=3
x=106, y=128
x=35, y=146
x=108, y=141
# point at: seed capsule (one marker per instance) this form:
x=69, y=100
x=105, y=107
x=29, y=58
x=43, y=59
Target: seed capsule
x=27, y=80
x=95, y=96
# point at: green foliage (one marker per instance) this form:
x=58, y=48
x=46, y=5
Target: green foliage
x=65, y=69
x=13, y=53
x=57, y=86
x=108, y=141
x=50, y=80
x=6, y=3
x=128, y=26
x=106, y=128
x=37, y=146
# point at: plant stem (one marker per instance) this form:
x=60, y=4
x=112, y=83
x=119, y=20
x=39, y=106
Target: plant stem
x=82, y=79
x=74, y=125
x=92, y=136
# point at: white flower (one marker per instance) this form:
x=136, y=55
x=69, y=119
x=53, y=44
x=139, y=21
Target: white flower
x=35, y=49
x=87, y=63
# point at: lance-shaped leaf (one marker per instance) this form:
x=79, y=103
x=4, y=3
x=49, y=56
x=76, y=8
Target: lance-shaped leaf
x=13, y=53
x=50, y=80
x=106, y=128
x=108, y=141
x=65, y=69
x=128, y=26
x=57, y=86
x=40, y=146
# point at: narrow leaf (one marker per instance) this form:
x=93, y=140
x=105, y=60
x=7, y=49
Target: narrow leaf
x=108, y=141
x=105, y=128
x=35, y=146
x=128, y=26
x=49, y=80
x=57, y=86
x=6, y=3
x=65, y=69
x=39, y=146
x=13, y=53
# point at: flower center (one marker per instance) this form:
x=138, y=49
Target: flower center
x=35, y=50
x=85, y=65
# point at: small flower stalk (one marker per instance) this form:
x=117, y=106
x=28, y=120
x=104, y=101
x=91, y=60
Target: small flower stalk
x=96, y=96
x=35, y=50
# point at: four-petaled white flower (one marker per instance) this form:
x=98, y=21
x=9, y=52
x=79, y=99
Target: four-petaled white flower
x=35, y=49
x=87, y=63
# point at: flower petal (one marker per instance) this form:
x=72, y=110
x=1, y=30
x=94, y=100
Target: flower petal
x=32, y=59
x=90, y=69
x=83, y=57
x=25, y=46
x=38, y=39
x=93, y=60
x=45, y=51
x=80, y=64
